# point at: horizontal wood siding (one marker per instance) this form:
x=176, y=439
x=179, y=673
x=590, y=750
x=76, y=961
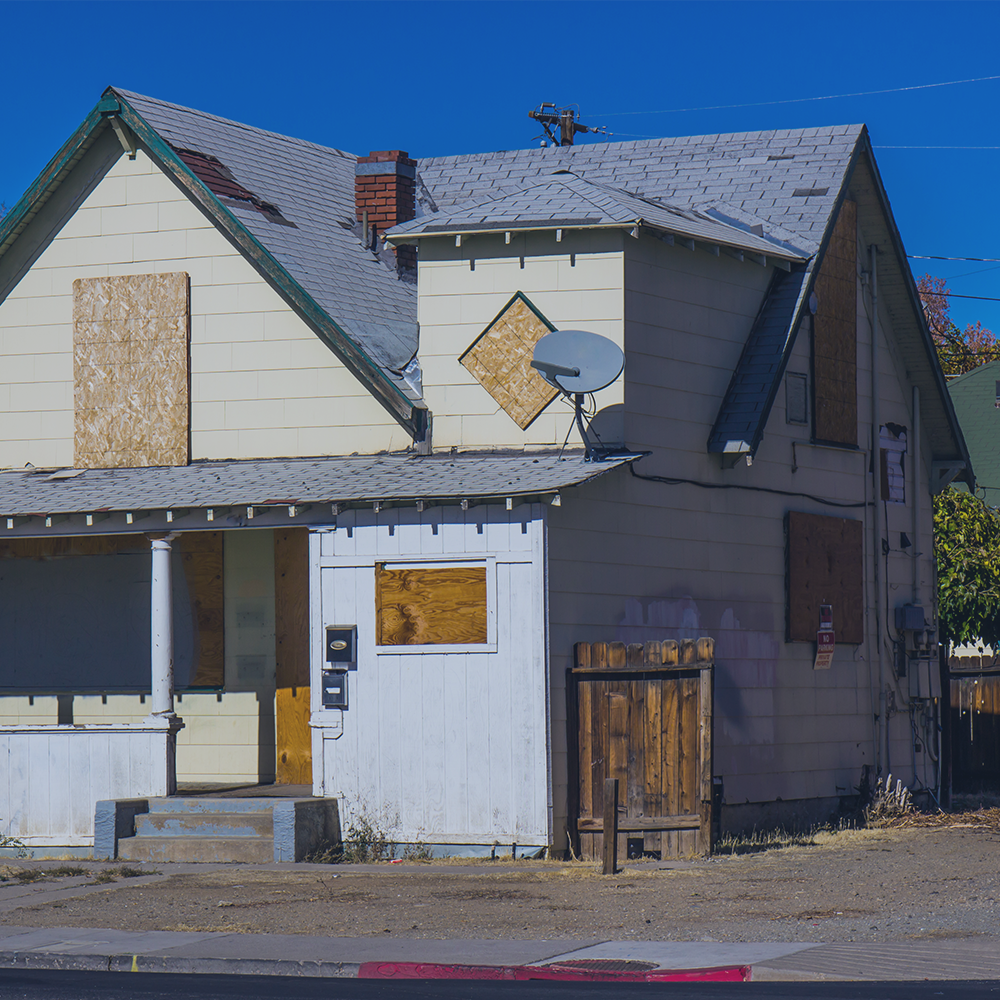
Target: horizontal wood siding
x=262, y=383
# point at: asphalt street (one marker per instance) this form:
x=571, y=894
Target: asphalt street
x=43, y=985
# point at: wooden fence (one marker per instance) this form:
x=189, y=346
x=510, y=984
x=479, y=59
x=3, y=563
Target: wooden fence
x=975, y=731
x=642, y=714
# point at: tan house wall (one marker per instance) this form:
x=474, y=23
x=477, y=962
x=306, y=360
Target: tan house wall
x=262, y=383
x=575, y=284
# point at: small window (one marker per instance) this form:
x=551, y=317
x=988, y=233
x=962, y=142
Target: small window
x=892, y=449
x=796, y=398
x=430, y=604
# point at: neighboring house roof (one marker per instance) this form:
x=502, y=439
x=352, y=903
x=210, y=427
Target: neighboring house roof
x=296, y=481
x=569, y=202
x=975, y=398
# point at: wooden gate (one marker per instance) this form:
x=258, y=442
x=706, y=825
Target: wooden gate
x=642, y=714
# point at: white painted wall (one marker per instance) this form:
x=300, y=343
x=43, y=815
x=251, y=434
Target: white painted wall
x=54, y=776
x=450, y=746
x=262, y=384
x=576, y=283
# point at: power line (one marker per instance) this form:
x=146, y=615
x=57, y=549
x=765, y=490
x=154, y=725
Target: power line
x=799, y=100
x=880, y=146
x=977, y=260
x=955, y=295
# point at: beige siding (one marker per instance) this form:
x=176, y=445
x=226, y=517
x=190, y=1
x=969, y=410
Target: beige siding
x=262, y=384
x=632, y=560
x=575, y=284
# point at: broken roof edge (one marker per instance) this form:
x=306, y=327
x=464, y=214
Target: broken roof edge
x=356, y=360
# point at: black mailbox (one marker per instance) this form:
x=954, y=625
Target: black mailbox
x=334, y=688
x=342, y=647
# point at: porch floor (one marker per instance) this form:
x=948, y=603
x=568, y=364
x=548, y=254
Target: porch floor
x=196, y=789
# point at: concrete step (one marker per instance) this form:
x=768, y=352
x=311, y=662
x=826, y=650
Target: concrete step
x=254, y=850
x=205, y=805
x=205, y=824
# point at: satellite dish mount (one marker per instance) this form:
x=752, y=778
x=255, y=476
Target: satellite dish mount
x=577, y=362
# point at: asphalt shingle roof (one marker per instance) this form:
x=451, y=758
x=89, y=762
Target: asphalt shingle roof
x=743, y=175
x=281, y=481
x=313, y=187
x=573, y=202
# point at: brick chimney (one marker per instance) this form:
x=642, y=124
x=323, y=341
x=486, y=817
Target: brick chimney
x=384, y=187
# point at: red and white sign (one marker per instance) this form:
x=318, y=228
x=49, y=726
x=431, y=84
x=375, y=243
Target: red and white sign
x=826, y=643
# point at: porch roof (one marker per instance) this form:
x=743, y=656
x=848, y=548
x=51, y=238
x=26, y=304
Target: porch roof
x=278, y=482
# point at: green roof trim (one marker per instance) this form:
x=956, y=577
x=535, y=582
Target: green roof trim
x=371, y=376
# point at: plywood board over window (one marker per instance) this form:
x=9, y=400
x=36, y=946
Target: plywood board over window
x=430, y=605
x=500, y=359
x=835, y=335
x=825, y=565
x=131, y=371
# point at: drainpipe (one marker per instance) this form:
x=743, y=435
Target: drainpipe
x=883, y=722
x=915, y=462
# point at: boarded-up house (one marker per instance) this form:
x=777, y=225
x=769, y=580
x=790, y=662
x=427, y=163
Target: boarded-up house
x=238, y=408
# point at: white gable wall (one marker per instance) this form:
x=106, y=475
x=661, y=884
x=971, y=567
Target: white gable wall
x=575, y=284
x=262, y=383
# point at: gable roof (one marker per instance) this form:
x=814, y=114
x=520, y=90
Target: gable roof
x=288, y=205
x=570, y=202
x=974, y=396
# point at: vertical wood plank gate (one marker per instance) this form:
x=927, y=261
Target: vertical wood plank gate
x=642, y=714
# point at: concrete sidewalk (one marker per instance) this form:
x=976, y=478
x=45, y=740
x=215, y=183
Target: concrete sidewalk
x=94, y=949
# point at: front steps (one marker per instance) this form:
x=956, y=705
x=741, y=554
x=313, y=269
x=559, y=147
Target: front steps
x=250, y=830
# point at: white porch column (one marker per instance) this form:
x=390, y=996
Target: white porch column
x=162, y=659
x=162, y=628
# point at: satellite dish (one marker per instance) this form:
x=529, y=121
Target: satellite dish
x=575, y=361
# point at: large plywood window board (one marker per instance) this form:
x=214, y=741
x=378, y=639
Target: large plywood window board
x=825, y=566
x=835, y=335
x=131, y=372
x=500, y=359
x=430, y=605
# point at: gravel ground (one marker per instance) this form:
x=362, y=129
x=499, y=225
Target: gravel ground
x=872, y=885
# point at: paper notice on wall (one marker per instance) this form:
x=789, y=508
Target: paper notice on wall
x=826, y=643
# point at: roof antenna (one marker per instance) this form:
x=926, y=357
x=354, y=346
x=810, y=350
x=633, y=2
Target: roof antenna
x=549, y=116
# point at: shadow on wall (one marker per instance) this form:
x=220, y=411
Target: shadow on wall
x=746, y=662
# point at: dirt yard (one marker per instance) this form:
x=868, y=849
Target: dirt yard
x=880, y=885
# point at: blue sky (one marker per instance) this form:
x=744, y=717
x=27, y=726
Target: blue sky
x=453, y=77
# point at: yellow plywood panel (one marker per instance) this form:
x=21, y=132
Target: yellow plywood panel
x=431, y=606
x=131, y=371
x=500, y=359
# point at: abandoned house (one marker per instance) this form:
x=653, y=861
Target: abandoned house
x=284, y=501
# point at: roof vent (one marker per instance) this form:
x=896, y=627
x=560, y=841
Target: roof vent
x=809, y=192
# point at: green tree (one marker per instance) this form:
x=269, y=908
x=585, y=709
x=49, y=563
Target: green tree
x=967, y=550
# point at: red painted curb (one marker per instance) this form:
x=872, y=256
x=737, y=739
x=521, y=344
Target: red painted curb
x=431, y=970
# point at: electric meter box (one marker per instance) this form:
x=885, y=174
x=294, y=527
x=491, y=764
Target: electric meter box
x=910, y=618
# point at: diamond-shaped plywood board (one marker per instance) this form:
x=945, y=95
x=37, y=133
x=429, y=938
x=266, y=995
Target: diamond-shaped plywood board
x=500, y=359
x=131, y=371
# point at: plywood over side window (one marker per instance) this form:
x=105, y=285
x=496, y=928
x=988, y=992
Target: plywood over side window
x=291, y=626
x=825, y=566
x=131, y=371
x=500, y=358
x=835, y=337
x=439, y=605
x=201, y=555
